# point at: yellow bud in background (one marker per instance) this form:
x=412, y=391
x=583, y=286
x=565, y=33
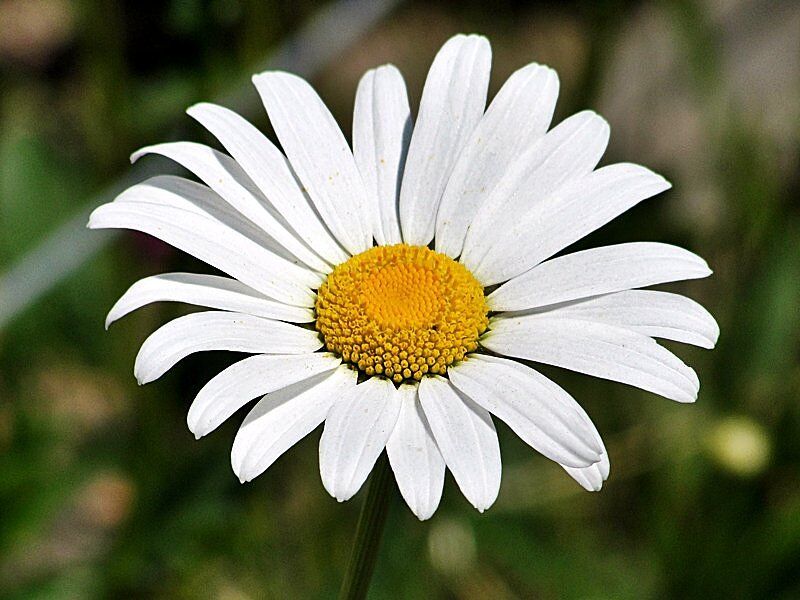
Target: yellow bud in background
x=740, y=445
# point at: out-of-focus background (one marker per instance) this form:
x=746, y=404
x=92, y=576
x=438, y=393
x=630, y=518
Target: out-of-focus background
x=104, y=493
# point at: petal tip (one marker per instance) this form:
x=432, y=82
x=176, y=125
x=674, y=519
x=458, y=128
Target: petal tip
x=423, y=515
x=274, y=74
x=139, y=153
x=385, y=68
x=142, y=377
x=689, y=398
x=194, y=109
x=92, y=222
x=194, y=426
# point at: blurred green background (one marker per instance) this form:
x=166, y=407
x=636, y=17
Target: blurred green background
x=104, y=493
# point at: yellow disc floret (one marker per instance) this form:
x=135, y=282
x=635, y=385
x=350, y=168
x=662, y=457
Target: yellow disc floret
x=401, y=311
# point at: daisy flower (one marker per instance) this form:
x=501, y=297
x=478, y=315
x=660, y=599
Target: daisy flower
x=398, y=292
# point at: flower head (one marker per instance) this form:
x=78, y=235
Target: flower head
x=391, y=291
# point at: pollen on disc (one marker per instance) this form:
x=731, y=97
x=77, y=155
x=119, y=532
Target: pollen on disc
x=401, y=311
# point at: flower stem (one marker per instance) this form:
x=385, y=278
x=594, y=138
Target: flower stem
x=368, y=533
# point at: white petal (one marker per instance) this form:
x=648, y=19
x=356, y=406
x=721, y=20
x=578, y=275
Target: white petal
x=217, y=330
x=591, y=478
x=282, y=418
x=598, y=271
x=381, y=132
x=208, y=239
x=184, y=194
x=595, y=349
x=415, y=458
x=356, y=430
x=537, y=410
x=224, y=175
x=254, y=376
x=268, y=168
x=518, y=116
x=466, y=438
x=319, y=155
x=452, y=103
x=212, y=291
x=652, y=313
x=568, y=215
x=566, y=154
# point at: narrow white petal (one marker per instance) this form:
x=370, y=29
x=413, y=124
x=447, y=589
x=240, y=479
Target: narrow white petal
x=282, y=418
x=268, y=168
x=224, y=175
x=466, y=438
x=218, y=330
x=453, y=101
x=381, y=132
x=566, y=154
x=518, y=116
x=357, y=428
x=598, y=271
x=596, y=349
x=415, y=458
x=652, y=313
x=319, y=155
x=591, y=478
x=211, y=291
x=566, y=216
x=254, y=376
x=181, y=193
x=537, y=410
x=163, y=214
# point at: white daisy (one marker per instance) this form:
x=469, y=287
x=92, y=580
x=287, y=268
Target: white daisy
x=387, y=291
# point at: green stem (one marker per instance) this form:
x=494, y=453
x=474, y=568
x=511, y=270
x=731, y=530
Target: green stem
x=368, y=533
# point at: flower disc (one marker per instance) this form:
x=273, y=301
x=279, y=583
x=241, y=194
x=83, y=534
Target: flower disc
x=401, y=311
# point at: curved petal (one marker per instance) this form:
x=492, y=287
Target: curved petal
x=254, y=376
x=542, y=414
x=466, y=438
x=652, y=313
x=268, y=168
x=217, y=330
x=567, y=153
x=224, y=175
x=415, y=458
x=282, y=418
x=597, y=271
x=591, y=478
x=453, y=101
x=319, y=155
x=381, y=132
x=211, y=291
x=356, y=430
x=596, y=349
x=184, y=194
x=206, y=238
x=518, y=116
x=568, y=215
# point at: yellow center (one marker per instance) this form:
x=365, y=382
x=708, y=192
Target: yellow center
x=401, y=311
